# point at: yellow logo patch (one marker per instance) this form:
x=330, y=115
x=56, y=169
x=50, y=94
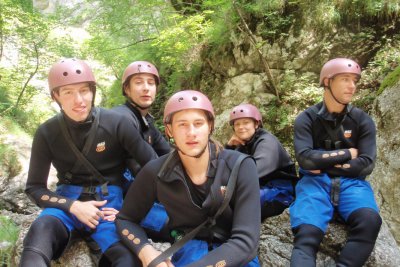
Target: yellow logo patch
x=221, y=264
x=101, y=147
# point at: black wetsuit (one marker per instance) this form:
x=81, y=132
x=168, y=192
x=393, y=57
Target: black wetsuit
x=189, y=205
x=273, y=163
x=147, y=129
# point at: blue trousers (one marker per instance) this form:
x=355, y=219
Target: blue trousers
x=105, y=234
x=313, y=200
x=194, y=250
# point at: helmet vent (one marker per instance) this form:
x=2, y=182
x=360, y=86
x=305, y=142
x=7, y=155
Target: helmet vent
x=65, y=73
x=349, y=65
x=194, y=98
x=78, y=71
x=180, y=99
x=241, y=110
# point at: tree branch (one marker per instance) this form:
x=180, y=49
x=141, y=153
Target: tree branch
x=128, y=45
x=263, y=60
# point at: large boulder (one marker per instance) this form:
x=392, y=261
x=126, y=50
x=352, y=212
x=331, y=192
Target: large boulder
x=276, y=243
x=386, y=175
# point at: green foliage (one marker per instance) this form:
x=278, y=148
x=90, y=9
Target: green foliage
x=390, y=80
x=8, y=235
x=9, y=164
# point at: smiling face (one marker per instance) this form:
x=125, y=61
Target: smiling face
x=343, y=86
x=245, y=128
x=142, y=89
x=190, y=129
x=75, y=100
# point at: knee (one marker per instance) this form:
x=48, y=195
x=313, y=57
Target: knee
x=307, y=237
x=365, y=222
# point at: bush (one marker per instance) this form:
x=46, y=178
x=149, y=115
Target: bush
x=8, y=236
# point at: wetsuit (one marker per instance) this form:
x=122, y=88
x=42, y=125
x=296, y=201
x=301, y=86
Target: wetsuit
x=276, y=170
x=113, y=142
x=322, y=140
x=235, y=239
x=147, y=129
x=155, y=221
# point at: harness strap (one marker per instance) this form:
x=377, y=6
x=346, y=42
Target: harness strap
x=335, y=191
x=230, y=188
x=80, y=156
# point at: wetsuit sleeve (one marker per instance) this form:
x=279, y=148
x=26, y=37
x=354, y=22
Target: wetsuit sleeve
x=137, y=203
x=242, y=246
x=36, y=185
x=364, y=164
x=266, y=155
x=160, y=145
x=136, y=146
x=308, y=157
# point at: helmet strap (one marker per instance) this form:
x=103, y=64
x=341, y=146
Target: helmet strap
x=133, y=103
x=331, y=92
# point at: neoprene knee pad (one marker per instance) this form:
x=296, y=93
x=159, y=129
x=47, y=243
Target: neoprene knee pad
x=47, y=236
x=365, y=224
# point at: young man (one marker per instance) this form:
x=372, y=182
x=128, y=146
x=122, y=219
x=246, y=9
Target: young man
x=139, y=86
x=88, y=147
x=336, y=149
x=276, y=170
x=191, y=183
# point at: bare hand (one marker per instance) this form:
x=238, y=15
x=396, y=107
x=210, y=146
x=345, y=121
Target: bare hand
x=315, y=171
x=235, y=141
x=353, y=152
x=149, y=253
x=109, y=213
x=88, y=212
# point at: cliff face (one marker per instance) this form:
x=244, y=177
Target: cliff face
x=386, y=176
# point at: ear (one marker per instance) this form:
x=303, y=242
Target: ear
x=326, y=82
x=168, y=131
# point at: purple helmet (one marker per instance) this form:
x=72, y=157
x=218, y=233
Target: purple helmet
x=338, y=66
x=245, y=111
x=70, y=71
x=187, y=99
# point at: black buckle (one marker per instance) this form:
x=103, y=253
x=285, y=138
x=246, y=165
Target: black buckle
x=89, y=190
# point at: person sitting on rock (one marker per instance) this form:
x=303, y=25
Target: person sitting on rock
x=88, y=147
x=276, y=171
x=335, y=145
x=192, y=182
x=139, y=86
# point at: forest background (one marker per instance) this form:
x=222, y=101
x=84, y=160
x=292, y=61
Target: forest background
x=183, y=38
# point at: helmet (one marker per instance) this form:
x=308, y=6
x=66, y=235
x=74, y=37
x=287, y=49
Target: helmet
x=338, y=66
x=245, y=111
x=70, y=71
x=187, y=99
x=139, y=67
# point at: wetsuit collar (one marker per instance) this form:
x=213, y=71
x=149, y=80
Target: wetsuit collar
x=79, y=124
x=324, y=113
x=144, y=121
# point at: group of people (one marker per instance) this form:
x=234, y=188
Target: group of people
x=121, y=182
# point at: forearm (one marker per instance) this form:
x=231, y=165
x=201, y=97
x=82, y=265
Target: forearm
x=45, y=198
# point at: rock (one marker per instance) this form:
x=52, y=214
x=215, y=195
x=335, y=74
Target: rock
x=386, y=175
x=276, y=243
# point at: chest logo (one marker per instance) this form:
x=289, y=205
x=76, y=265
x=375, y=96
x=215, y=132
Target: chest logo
x=223, y=190
x=347, y=133
x=101, y=147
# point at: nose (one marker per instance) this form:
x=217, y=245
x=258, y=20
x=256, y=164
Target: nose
x=78, y=98
x=191, y=130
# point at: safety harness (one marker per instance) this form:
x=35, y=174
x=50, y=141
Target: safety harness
x=81, y=156
x=211, y=220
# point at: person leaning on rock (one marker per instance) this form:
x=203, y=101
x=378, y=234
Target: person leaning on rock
x=335, y=145
x=88, y=147
x=275, y=168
